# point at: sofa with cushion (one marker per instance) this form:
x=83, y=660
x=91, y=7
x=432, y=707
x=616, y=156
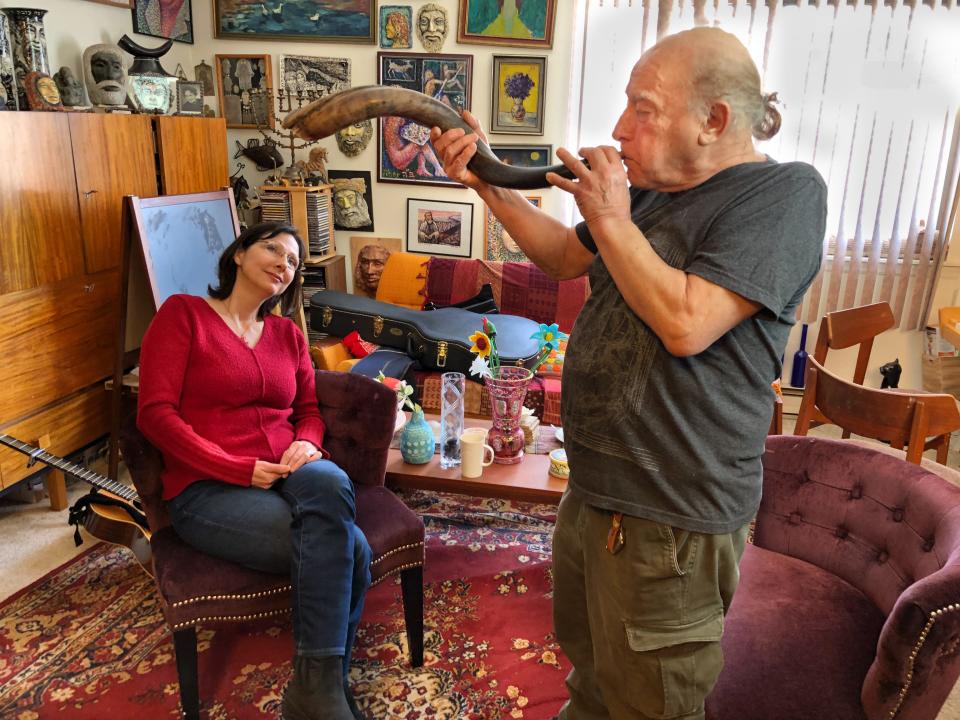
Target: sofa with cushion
x=487, y=288
x=849, y=601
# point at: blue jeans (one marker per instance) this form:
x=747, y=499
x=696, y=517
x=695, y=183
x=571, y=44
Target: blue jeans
x=302, y=527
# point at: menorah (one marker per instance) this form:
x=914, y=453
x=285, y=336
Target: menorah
x=278, y=103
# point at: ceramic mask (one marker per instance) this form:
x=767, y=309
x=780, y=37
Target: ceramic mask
x=105, y=75
x=353, y=139
x=432, y=26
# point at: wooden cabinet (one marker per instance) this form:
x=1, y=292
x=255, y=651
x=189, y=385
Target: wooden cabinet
x=62, y=183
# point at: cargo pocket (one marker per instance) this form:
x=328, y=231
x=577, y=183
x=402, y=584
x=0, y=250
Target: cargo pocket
x=671, y=669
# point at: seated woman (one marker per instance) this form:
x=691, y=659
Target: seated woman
x=227, y=394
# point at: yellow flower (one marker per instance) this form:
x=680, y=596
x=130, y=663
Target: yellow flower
x=481, y=344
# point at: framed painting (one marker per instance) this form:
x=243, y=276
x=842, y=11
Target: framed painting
x=519, y=86
x=171, y=19
x=154, y=94
x=307, y=74
x=128, y=4
x=352, y=199
x=300, y=20
x=405, y=154
x=494, y=22
x=437, y=227
x=189, y=98
x=500, y=246
x=524, y=155
x=396, y=22
x=245, y=84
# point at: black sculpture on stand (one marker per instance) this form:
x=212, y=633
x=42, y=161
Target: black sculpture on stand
x=891, y=374
x=146, y=61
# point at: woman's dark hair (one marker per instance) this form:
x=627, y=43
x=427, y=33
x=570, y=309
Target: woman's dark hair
x=227, y=268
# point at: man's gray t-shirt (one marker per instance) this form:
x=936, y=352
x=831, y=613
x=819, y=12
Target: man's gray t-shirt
x=678, y=440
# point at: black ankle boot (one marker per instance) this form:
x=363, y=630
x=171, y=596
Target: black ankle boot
x=352, y=703
x=316, y=690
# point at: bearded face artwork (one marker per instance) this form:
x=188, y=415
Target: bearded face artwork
x=432, y=26
x=353, y=139
x=104, y=74
x=350, y=209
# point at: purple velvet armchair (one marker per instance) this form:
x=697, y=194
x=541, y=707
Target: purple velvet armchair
x=849, y=601
x=197, y=589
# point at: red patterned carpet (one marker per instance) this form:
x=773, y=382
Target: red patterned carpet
x=88, y=640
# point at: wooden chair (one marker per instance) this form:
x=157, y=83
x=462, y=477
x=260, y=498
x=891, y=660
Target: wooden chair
x=841, y=329
x=900, y=418
x=200, y=590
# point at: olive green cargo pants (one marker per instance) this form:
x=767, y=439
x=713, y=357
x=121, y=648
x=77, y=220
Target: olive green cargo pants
x=641, y=625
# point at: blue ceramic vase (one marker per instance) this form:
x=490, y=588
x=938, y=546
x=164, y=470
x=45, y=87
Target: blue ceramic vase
x=416, y=439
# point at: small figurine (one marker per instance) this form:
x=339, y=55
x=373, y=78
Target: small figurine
x=71, y=91
x=891, y=374
x=42, y=92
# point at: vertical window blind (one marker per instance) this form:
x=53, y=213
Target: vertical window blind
x=869, y=93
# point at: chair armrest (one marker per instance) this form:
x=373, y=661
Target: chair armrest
x=360, y=414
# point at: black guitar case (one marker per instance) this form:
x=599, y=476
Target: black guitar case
x=437, y=338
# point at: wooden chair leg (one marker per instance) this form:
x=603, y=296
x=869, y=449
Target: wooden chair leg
x=943, y=448
x=185, y=649
x=411, y=584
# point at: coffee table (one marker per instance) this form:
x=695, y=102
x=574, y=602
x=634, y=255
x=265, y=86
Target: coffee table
x=528, y=480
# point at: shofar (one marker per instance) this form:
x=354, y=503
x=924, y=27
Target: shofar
x=325, y=116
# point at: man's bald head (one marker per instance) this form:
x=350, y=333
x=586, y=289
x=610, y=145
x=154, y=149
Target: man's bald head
x=719, y=68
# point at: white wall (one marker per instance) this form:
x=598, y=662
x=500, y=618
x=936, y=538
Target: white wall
x=72, y=25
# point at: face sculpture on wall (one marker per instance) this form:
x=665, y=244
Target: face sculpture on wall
x=432, y=26
x=71, y=91
x=353, y=139
x=369, y=268
x=104, y=75
x=350, y=208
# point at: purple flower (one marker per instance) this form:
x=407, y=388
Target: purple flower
x=518, y=86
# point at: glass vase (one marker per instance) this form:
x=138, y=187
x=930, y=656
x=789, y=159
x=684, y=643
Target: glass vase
x=451, y=417
x=8, y=79
x=29, y=42
x=416, y=439
x=507, y=388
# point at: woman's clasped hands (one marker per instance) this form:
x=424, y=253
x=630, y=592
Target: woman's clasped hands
x=266, y=474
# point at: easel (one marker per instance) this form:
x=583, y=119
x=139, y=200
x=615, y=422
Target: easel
x=142, y=291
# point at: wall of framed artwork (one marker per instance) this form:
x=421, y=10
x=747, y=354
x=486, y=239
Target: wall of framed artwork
x=437, y=227
x=307, y=73
x=352, y=199
x=404, y=151
x=524, y=155
x=238, y=79
x=485, y=22
x=396, y=27
x=171, y=19
x=498, y=243
x=295, y=21
x=519, y=91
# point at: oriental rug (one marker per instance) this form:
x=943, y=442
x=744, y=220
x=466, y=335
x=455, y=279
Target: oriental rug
x=88, y=642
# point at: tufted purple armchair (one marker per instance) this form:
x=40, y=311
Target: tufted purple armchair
x=849, y=600
x=197, y=589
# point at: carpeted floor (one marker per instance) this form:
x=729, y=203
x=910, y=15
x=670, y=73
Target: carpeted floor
x=88, y=640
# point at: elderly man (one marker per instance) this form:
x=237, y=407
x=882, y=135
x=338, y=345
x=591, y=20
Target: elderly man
x=699, y=249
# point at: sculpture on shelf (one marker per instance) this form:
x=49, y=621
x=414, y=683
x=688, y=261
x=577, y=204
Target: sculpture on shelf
x=314, y=170
x=29, y=43
x=353, y=139
x=432, y=26
x=42, y=92
x=105, y=76
x=71, y=91
x=8, y=77
x=266, y=156
x=146, y=61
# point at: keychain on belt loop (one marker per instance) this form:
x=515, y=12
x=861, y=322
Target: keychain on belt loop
x=615, y=539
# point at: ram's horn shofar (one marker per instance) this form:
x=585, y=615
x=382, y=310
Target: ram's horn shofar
x=325, y=116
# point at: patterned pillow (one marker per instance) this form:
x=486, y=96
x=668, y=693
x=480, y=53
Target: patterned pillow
x=553, y=365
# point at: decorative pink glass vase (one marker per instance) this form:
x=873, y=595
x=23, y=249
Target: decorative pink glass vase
x=507, y=388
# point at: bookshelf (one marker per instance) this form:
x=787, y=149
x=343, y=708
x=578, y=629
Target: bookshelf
x=309, y=209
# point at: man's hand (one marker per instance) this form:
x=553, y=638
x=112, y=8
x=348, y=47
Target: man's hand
x=456, y=148
x=299, y=454
x=265, y=474
x=601, y=192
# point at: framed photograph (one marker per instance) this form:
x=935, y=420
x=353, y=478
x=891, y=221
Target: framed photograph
x=352, y=199
x=322, y=75
x=405, y=154
x=490, y=22
x=396, y=22
x=524, y=155
x=369, y=256
x=519, y=86
x=437, y=227
x=243, y=82
x=189, y=98
x=500, y=246
x=300, y=20
x=164, y=18
x=154, y=94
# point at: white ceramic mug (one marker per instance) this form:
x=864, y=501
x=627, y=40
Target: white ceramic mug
x=473, y=452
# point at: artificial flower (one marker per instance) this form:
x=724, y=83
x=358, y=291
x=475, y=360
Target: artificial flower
x=480, y=367
x=549, y=335
x=401, y=388
x=481, y=344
